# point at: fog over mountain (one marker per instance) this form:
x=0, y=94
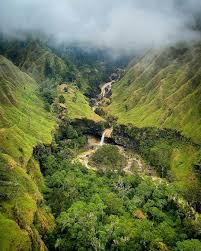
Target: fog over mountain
x=112, y=23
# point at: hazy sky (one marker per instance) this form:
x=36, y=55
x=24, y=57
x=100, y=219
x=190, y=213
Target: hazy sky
x=113, y=23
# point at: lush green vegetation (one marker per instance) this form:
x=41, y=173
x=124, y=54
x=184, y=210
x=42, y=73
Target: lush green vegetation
x=94, y=65
x=108, y=157
x=35, y=57
x=106, y=209
x=109, y=210
x=77, y=105
x=51, y=65
x=23, y=124
x=163, y=89
x=50, y=71
x=172, y=155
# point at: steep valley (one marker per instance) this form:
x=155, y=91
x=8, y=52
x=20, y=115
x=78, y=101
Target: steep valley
x=116, y=167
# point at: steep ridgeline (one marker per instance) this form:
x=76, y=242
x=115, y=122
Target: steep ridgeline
x=43, y=64
x=23, y=124
x=163, y=90
x=38, y=60
x=54, y=76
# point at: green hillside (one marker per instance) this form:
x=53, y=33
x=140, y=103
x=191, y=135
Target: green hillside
x=163, y=89
x=35, y=58
x=76, y=104
x=24, y=123
x=41, y=63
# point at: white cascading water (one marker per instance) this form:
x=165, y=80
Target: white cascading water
x=102, y=139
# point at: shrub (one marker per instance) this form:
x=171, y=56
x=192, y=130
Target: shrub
x=61, y=99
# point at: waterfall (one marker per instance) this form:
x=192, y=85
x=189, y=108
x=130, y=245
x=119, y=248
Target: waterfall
x=102, y=139
x=106, y=133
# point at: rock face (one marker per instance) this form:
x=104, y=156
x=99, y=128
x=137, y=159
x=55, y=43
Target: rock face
x=131, y=136
x=87, y=126
x=108, y=132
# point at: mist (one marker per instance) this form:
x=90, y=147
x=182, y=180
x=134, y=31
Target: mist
x=116, y=24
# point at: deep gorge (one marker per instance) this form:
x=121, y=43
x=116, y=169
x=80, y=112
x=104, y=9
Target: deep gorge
x=74, y=174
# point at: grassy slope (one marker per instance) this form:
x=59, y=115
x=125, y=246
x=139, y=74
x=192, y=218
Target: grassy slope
x=35, y=58
x=23, y=124
x=165, y=150
x=163, y=89
x=77, y=104
x=180, y=157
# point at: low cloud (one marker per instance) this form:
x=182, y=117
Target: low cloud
x=117, y=24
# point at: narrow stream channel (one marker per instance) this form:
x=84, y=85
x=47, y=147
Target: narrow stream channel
x=132, y=160
x=105, y=91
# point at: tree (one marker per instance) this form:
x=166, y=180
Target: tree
x=65, y=89
x=48, y=72
x=189, y=245
x=61, y=99
x=48, y=95
x=80, y=226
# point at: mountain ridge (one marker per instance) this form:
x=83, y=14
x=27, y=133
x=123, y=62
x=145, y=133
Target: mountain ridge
x=162, y=90
x=24, y=123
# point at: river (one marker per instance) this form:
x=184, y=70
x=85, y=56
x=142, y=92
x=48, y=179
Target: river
x=105, y=92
